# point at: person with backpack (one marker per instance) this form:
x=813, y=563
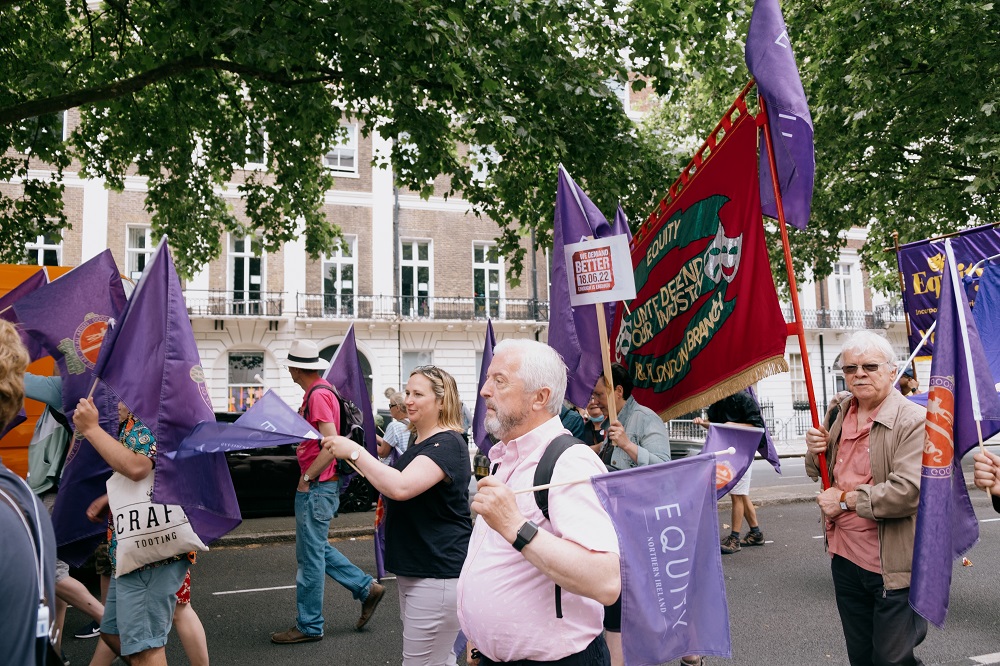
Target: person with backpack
x=316, y=502
x=569, y=548
x=427, y=524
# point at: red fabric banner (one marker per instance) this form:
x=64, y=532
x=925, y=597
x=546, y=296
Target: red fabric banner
x=706, y=321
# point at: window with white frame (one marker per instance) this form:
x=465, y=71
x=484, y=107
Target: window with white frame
x=415, y=275
x=339, y=286
x=243, y=388
x=45, y=251
x=841, y=293
x=487, y=279
x=139, y=247
x=797, y=378
x=412, y=360
x=343, y=157
x=256, y=150
x=246, y=274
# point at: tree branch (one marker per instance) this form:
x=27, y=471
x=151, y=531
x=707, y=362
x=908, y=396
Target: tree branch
x=117, y=89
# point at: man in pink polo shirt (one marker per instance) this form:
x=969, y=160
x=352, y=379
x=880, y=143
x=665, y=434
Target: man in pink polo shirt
x=874, y=449
x=517, y=557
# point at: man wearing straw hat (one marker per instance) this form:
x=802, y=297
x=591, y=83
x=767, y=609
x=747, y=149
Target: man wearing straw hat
x=502, y=603
x=317, y=498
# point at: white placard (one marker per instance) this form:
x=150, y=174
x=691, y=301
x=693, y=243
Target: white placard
x=600, y=271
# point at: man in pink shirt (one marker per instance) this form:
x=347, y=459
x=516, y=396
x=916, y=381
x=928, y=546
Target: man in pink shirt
x=317, y=499
x=874, y=448
x=517, y=557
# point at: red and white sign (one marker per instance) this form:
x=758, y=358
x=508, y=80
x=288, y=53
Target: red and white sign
x=600, y=271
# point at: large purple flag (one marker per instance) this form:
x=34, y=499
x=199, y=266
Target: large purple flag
x=673, y=592
x=269, y=422
x=770, y=59
x=479, y=419
x=987, y=315
x=69, y=318
x=961, y=392
x=346, y=375
x=34, y=281
x=730, y=467
x=150, y=359
x=573, y=331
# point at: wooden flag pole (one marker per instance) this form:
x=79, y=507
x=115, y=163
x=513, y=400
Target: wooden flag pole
x=602, y=329
x=795, y=328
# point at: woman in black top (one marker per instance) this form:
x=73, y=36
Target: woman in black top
x=428, y=523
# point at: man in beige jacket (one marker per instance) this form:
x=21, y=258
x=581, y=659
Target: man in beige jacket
x=874, y=448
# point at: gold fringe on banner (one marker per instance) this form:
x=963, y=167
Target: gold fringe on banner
x=738, y=382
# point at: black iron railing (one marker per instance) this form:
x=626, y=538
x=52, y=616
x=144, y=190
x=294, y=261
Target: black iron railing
x=219, y=303
x=327, y=306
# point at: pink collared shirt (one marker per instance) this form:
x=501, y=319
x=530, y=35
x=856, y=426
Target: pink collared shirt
x=848, y=534
x=505, y=605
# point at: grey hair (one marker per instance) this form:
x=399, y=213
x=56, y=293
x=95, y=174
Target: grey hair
x=864, y=341
x=540, y=367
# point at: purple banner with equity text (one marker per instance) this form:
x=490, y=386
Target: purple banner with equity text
x=921, y=264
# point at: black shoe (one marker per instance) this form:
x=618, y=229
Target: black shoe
x=92, y=630
x=753, y=539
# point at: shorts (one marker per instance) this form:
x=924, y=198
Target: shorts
x=102, y=562
x=742, y=486
x=62, y=569
x=140, y=606
x=613, y=616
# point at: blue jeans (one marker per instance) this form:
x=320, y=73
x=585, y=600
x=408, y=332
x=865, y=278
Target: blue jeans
x=315, y=556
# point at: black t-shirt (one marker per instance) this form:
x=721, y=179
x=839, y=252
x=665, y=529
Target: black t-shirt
x=737, y=408
x=427, y=536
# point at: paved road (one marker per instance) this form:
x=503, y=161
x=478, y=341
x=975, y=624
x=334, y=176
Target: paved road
x=780, y=600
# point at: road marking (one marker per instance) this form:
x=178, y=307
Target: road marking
x=271, y=589
x=256, y=589
x=990, y=520
x=987, y=658
x=818, y=537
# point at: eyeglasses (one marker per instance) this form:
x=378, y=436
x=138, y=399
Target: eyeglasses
x=868, y=367
x=594, y=397
x=427, y=370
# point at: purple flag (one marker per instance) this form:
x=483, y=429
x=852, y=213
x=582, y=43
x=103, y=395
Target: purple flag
x=151, y=361
x=961, y=392
x=730, y=467
x=479, y=419
x=766, y=449
x=69, y=318
x=269, y=422
x=33, y=282
x=770, y=59
x=573, y=331
x=18, y=419
x=987, y=315
x=346, y=375
x=673, y=592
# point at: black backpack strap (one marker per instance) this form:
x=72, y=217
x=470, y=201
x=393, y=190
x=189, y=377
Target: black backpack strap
x=328, y=387
x=543, y=476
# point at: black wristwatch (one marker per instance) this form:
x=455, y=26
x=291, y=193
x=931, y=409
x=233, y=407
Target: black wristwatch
x=525, y=534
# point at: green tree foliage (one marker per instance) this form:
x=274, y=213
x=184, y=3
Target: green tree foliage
x=170, y=90
x=905, y=98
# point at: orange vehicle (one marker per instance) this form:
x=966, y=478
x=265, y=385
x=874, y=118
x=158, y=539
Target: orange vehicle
x=14, y=445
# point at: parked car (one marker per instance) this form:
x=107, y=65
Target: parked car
x=265, y=480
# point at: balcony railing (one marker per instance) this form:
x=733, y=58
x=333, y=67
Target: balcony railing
x=879, y=318
x=330, y=306
x=218, y=303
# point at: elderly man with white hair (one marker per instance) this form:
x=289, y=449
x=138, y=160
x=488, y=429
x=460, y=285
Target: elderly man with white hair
x=516, y=553
x=874, y=449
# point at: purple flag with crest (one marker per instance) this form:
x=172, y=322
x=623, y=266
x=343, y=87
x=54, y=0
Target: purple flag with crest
x=346, y=375
x=269, y=422
x=987, y=315
x=961, y=392
x=69, y=318
x=673, y=592
x=150, y=359
x=479, y=419
x=730, y=468
x=573, y=331
x=33, y=282
x=770, y=59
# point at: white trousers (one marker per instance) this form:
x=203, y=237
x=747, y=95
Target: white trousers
x=428, y=608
